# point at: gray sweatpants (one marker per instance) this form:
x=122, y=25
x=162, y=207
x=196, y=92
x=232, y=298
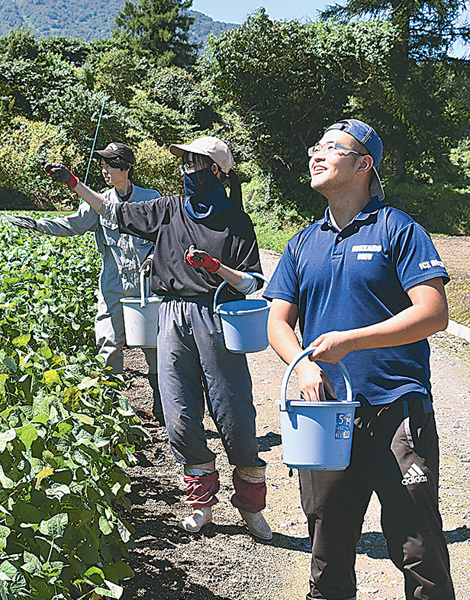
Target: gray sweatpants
x=192, y=362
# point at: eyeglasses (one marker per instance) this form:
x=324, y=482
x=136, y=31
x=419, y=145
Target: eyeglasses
x=194, y=167
x=188, y=168
x=330, y=147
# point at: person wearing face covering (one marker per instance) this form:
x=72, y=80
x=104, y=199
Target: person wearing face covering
x=201, y=239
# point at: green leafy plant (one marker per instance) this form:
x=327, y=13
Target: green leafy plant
x=64, y=444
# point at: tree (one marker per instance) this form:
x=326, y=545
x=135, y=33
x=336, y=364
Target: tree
x=426, y=29
x=157, y=29
x=288, y=81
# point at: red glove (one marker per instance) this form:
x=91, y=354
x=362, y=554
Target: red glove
x=199, y=258
x=61, y=174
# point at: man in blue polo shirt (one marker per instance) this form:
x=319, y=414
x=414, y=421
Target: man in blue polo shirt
x=367, y=286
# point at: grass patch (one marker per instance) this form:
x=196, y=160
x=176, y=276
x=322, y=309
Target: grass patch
x=270, y=238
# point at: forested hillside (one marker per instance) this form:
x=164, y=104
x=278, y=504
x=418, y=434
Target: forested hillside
x=269, y=88
x=83, y=19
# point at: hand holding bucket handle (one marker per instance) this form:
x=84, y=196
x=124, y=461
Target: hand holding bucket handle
x=144, y=289
x=298, y=358
x=224, y=283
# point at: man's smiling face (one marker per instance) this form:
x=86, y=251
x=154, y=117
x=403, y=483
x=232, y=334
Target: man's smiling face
x=332, y=168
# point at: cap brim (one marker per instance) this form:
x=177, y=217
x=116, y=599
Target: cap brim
x=180, y=149
x=105, y=154
x=376, y=188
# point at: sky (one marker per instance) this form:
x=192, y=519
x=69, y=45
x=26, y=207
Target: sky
x=236, y=12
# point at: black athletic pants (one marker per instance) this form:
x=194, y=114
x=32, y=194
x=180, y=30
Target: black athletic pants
x=395, y=453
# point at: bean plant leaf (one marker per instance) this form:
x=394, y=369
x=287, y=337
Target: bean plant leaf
x=100, y=592
x=21, y=340
x=32, y=564
x=44, y=473
x=27, y=512
x=55, y=526
x=27, y=434
x=95, y=575
x=10, y=363
x=72, y=398
x=5, y=437
x=118, y=571
x=123, y=532
x=116, y=589
x=42, y=418
x=52, y=378
x=87, y=383
x=46, y=352
x=59, y=491
x=4, y=533
x=105, y=526
x=7, y=571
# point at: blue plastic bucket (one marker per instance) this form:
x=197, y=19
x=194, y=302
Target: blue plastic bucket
x=316, y=435
x=244, y=322
x=141, y=317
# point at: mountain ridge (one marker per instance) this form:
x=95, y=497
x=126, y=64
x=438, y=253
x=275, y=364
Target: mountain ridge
x=84, y=19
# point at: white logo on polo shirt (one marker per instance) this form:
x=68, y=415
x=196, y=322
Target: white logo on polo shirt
x=366, y=251
x=428, y=264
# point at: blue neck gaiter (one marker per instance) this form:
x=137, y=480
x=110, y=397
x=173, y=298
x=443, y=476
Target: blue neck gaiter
x=205, y=195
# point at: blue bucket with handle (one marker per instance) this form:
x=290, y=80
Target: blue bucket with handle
x=316, y=435
x=244, y=322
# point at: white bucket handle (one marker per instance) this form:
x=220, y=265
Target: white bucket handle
x=290, y=368
x=224, y=283
x=144, y=289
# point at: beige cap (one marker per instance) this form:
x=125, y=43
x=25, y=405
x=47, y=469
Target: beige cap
x=215, y=149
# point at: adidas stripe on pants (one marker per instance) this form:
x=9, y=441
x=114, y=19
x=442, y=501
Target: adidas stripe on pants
x=395, y=453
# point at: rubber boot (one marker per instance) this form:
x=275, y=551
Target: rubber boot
x=157, y=409
x=256, y=524
x=202, y=485
x=249, y=498
x=199, y=518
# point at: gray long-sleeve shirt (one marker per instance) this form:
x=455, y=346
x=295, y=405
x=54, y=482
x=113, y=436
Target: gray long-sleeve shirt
x=121, y=254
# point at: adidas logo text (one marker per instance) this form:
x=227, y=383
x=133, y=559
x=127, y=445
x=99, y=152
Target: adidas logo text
x=414, y=475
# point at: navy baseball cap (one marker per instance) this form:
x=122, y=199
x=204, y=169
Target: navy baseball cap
x=368, y=137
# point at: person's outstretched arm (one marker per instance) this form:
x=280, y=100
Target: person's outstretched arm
x=61, y=174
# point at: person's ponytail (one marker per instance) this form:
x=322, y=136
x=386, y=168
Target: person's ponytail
x=235, y=189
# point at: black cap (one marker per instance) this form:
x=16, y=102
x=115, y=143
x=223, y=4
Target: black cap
x=116, y=151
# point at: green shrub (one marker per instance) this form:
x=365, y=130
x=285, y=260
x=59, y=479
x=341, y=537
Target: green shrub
x=22, y=148
x=157, y=168
x=439, y=207
x=460, y=156
x=274, y=223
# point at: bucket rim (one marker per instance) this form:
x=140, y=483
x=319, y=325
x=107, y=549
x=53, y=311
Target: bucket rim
x=135, y=300
x=224, y=311
x=224, y=283
x=304, y=403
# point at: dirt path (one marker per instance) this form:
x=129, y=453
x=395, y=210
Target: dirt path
x=224, y=562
